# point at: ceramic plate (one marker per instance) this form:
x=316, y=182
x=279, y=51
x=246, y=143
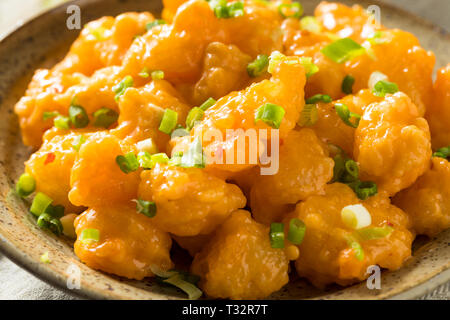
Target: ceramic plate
x=43, y=41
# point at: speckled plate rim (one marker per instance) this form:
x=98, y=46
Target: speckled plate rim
x=44, y=273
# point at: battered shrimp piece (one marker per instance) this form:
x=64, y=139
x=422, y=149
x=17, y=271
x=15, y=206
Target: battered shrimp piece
x=54, y=92
x=427, y=201
x=189, y=201
x=170, y=8
x=239, y=263
x=329, y=126
x=325, y=254
x=304, y=170
x=96, y=178
x=104, y=42
x=129, y=244
x=400, y=57
x=141, y=111
x=392, y=143
x=178, y=49
x=438, y=112
x=51, y=165
x=238, y=110
x=353, y=22
x=224, y=70
x=328, y=80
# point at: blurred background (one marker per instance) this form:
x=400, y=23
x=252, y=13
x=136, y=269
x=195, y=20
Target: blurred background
x=15, y=283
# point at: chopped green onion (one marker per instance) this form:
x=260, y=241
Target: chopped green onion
x=157, y=75
x=154, y=23
x=62, y=122
x=224, y=10
x=364, y=189
x=271, y=114
x=176, y=159
x=356, y=216
x=89, y=236
x=147, y=145
x=345, y=114
x=345, y=170
x=290, y=10
x=319, y=98
x=169, y=121
x=105, y=117
x=276, y=235
x=179, y=132
x=375, y=77
x=79, y=140
x=46, y=221
x=161, y=158
x=207, y=104
x=99, y=33
x=127, y=163
x=377, y=38
x=120, y=88
x=308, y=116
x=55, y=211
x=44, y=258
x=274, y=59
x=78, y=116
x=374, y=233
x=311, y=24
x=194, y=115
x=49, y=115
x=442, y=152
x=297, y=229
x=25, y=185
x=258, y=66
x=40, y=203
x=347, y=84
x=147, y=208
x=191, y=290
x=356, y=247
x=145, y=160
x=343, y=50
x=145, y=73
x=382, y=87
x=310, y=67
x=194, y=157
x=352, y=169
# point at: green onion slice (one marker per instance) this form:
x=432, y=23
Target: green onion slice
x=374, y=233
x=25, y=185
x=224, y=10
x=62, y=122
x=49, y=115
x=364, y=189
x=168, y=121
x=310, y=67
x=308, y=116
x=46, y=221
x=290, y=10
x=276, y=235
x=105, y=117
x=356, y=247
x=347, y=84
x=343, y=50
x=40, y=203
x=311, y=24
x=78, y=142
x=89, y=236
x=442, y=152
x=191, y=290
x=258, y=66
x=120, y=88
x=319, y=98
x=194, y=157
x=346, y=115
x=382, y=87
x=297, y=229
x=377, y=38
x=157, y=75
x=154, y=23
x=127, y=163
x=271, y=114
x=78, y=116
x=207, y=104
x=194, y=115
x=55, y=211
x=147, y=208
x=176, y=159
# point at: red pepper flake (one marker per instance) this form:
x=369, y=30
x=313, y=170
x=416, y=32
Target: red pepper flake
x=50, y=158
x=389, y=224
